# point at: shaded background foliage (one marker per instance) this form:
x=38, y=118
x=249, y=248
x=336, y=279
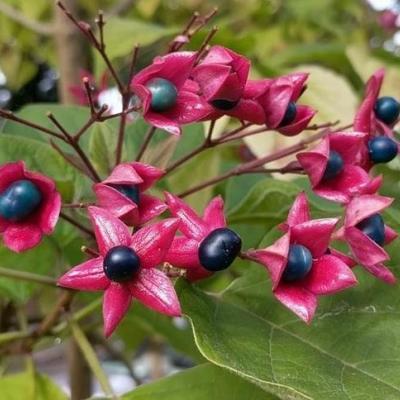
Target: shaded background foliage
x=352, y=350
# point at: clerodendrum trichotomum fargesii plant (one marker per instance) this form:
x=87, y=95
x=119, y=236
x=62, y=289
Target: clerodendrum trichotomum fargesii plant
x=140, y=240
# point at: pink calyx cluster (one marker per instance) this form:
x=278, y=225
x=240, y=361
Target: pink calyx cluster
x=218, y=85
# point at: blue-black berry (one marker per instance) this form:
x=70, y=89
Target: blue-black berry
x=387, y=110
x=382, y=149
x=130, y=191
x=334, y=166
x=290, y=114
x=299, y=263
x=121, y=263
x=163, y=94
x=224, y=105
x=219, y=249
x=19, y=200
x=374, y=228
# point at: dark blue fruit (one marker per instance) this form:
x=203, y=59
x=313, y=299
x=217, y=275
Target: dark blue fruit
x=334, y=166
x=299, y=263
x=223, y=104
x=382, y=149
x=218, y=250
x=374, y=228
x=130, y=191
x=163, y=94
x=19, y=200
x=121, y=263
x=290, y=114
x=387, y=109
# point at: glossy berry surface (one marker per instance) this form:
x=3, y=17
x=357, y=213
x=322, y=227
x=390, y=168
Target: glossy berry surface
x=222, y=104
x=382, y=149
x=163, y=94
x=121, y=263
x=19, y=200
x=387, y=110
x=219, y=249
x=290, y=114
x=374, y=228
x=130, y=191
x=334, y=166
x=299, y=263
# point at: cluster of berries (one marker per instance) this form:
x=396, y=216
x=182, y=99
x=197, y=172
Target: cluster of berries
x=177, y=89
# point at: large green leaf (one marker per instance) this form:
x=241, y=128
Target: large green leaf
x=265, y=203
x=29, y=386
x=133, y=31
x=142, y=322
x=349, y=351
x=199, y=383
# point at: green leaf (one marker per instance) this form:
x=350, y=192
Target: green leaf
x=142, y=322
x=102, y=146
x=72, y=118
x=40, y=260
x=29, y=386
x=199, y=383
x=138, y=31
x=266, y=203
x=39, y=157
x=349, y=351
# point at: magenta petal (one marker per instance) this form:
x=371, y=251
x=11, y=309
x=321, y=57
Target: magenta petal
x=10, y=173
x=248, y=110
x=275, y=101
x=314, y=161
x=150, y=207
x=113, y=200
x=45, y=184
x=116, y=302
x=191, y=224
x=343, y=257
x=152, y=242
x=347, y=144
x=189, y=108
x=124, y=174
x=183, y=253
x=364, y=206
x=20, y=237
x=352, y=181
x=300, y=211
x=155, y=290
x=160, y=121
x=86, y=276
x=297, y=299
x=329, y=275
x=175, y=67
x=255, y=88
x=381, y=272
x=109, y=230
x=49, y=213
x=274, y=258
x=365, y=113
x=211, y=77
x=364, y=249
x=315, y=235
x=148, y=173
x=298, y=80
x=390, y=234
x=303, y=117
x=214, y=215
